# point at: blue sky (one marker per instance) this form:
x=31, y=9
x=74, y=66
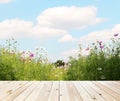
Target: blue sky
x=58, y=25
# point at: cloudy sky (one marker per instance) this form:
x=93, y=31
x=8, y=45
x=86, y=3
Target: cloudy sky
x=58, y=25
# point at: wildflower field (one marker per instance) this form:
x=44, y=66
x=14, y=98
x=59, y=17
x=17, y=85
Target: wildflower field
x=102, y=63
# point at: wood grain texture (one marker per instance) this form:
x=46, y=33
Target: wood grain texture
x=59, y=90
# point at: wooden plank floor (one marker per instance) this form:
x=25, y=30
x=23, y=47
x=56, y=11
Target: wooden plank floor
x=59, y=90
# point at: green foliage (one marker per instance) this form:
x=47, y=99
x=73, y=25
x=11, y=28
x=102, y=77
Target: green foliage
x=15, y=65
x=103, y=63
x=57, y=74
x=59, y=63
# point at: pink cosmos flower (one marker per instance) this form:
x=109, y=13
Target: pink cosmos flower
x=115, y=35
x=31, y=55
x=87, y=49
x=23, y=52
x=99, y=42
x=102, y=46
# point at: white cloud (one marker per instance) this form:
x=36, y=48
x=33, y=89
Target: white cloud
x=69, y=17
x=116, y=29
x=19, y=28
x=15, y=27
x=5, y=1
x=70, y=52
x=74, y=53
x=102, y=35
x=52, y=22
x=46, y=32
x=66, y=54
x=67, y=38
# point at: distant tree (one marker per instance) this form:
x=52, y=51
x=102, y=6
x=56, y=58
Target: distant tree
x=59, y=63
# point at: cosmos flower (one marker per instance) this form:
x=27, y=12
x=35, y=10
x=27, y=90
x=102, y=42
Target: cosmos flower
x=23, y=52
x=115, y=35
x=99, y=42
x=31, y=55
x=99, y=68
x=87, y=48
x=102, y=46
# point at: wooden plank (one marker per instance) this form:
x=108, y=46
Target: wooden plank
x=59, y=91
x=116, y=83
x=35, y=93
x=91, y=91
x=107, y=90
x=101, y=92
x=111, y=86
x=18, y=91
x=4, y=83
x=54, y=94
x=72, y=91
x=7, y=89
x=63, y=92
x=26, y=92
x=82, y=91
x=45, y=91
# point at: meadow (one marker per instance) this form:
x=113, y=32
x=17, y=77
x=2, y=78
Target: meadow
x=102, y=63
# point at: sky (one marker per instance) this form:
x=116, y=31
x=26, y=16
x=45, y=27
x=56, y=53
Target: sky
x=59, y=26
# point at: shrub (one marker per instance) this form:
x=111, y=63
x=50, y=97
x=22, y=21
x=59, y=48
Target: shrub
x=103, y=62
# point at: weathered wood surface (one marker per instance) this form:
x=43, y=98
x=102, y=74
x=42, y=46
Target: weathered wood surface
x=59, y=90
